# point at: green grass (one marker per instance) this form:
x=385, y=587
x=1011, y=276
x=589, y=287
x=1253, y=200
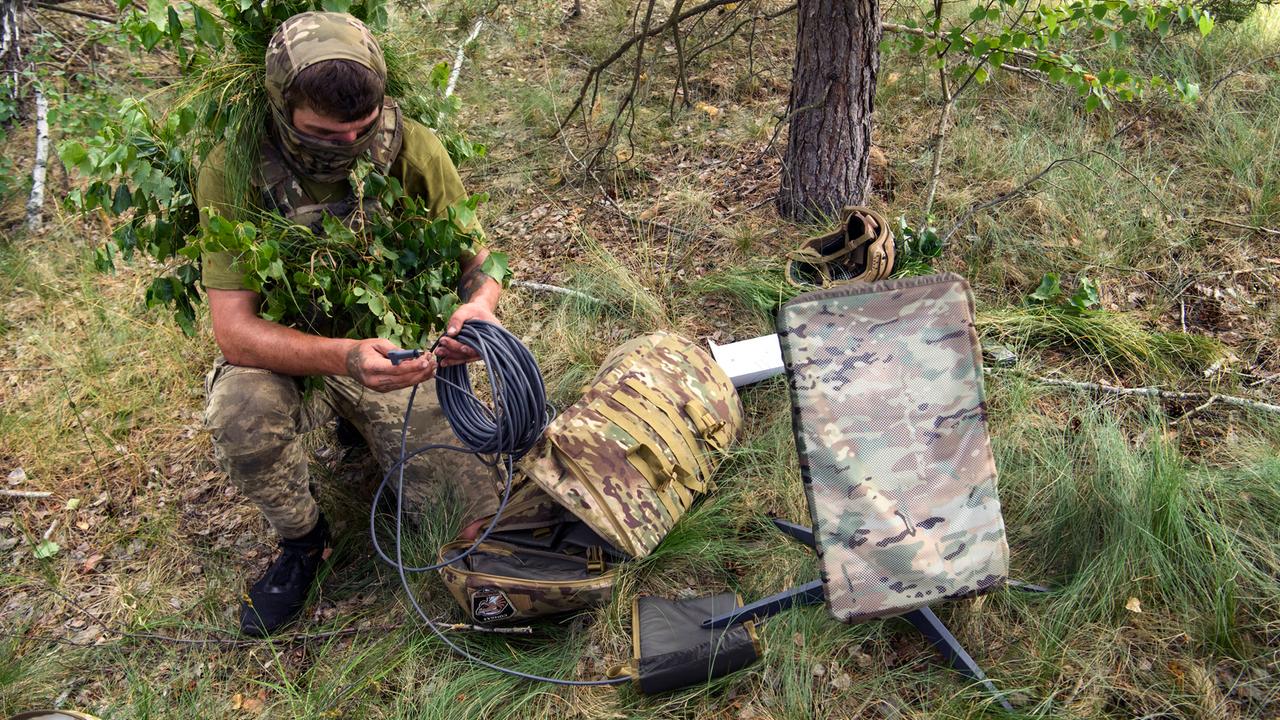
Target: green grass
x=1114, y=343
x=1106, y=499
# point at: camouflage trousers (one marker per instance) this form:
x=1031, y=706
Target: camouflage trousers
x=258, y=417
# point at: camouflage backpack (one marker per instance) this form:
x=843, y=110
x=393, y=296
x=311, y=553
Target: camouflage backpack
x=611, y=476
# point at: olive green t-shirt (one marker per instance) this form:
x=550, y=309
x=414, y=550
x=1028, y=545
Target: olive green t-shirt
x=423, y=168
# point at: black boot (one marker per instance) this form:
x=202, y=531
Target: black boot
x=278, y=596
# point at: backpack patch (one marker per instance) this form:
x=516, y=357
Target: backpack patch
x=490, y=605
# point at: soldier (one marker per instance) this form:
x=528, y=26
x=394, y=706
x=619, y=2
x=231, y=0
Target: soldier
x=326, y=79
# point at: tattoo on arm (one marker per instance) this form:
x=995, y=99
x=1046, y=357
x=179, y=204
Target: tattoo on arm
x=354, y=368
x=471, y=283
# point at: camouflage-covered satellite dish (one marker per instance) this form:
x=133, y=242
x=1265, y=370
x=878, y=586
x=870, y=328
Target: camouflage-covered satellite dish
x=890, y=426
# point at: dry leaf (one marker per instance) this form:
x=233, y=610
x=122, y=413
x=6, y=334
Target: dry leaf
x=1133, y=605
x=90, y=563
x=651, y=212
x=710, y=110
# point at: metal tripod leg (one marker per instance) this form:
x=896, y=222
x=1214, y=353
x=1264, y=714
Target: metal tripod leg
x=811, y=593
x=932, y=628
x=800, y=533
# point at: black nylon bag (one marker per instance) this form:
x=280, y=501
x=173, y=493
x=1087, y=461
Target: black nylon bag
x=673, y=650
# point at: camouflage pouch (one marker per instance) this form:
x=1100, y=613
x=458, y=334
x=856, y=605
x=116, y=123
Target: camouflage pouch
x=504, y=582
x=611, y=476
x=890, y=426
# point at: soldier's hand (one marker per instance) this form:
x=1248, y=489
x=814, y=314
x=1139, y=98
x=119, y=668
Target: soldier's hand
x=452, y=352
x=368, y=364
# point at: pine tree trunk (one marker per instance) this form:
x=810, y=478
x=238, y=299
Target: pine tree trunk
x=833, y=89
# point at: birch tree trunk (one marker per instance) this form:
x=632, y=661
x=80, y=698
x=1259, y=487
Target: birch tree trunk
x=35, y=202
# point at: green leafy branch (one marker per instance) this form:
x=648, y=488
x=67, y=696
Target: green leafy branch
x=392, y=276
x=141, y=164
x=916, y=249
x=1013, y=36
x=1050, y=294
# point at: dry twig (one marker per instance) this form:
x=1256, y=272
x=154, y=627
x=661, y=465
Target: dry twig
x=1255, y=228
x=543, y=287
x=1205, y=398
x=593, y=75
x=34, y=494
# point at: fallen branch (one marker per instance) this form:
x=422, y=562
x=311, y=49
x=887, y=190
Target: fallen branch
x=1256, y=228
x=543, y=287
x=608, y=203
x=9, y=42
x=1003, y=198
x=34, y=494
x=35, y=203
x=1022, y=189
x=1205, y=398
x=76, y=12
x=1238, y=69
x=457, y=60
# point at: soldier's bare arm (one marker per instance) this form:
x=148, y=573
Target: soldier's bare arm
x=247, y=340
x=479, y=294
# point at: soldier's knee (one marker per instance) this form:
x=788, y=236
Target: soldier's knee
x=253, y=417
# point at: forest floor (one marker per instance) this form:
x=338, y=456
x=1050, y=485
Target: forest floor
x=1157, y=522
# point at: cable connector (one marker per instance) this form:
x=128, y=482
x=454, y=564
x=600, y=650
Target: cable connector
x=398, y=356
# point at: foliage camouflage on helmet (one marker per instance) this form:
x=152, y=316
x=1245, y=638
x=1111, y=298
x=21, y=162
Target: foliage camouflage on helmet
x=300, y=42
x=890, y=425
x=631, y=456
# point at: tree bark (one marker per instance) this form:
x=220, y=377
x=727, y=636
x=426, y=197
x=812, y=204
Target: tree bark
x=35, y=202
x=833, y=91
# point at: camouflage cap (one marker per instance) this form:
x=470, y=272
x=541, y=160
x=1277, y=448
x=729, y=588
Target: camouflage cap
x=311, y=37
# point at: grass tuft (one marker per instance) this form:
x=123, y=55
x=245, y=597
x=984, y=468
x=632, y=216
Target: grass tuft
x=1113, y=342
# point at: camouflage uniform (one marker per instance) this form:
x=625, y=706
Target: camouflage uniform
x=890, y=426
x=256, y=416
